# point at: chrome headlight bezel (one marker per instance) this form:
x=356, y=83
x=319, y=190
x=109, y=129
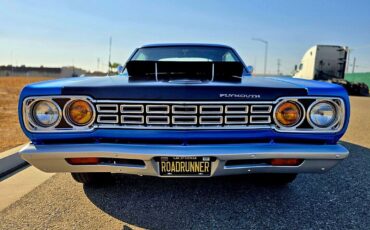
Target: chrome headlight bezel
x=31, y=126
x=301, y=118
x=35, y=122
x=69, y=120
x=333, y=123
x=335, y=127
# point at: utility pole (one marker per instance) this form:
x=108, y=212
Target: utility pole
x=278, y=66
x=354, y=65
x=98, y=64
x=266, y=51
x=348, y=59
x=110, y=52
x=12, y=64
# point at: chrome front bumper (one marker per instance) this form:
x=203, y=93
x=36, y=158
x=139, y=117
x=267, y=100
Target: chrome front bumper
x=317, y=158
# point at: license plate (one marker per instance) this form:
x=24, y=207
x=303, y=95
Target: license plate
x=185, y=166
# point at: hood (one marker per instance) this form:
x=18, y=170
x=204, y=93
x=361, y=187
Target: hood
x=120, y=88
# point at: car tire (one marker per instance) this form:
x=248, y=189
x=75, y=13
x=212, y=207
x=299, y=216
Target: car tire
x=277, y=178
x=93, y=178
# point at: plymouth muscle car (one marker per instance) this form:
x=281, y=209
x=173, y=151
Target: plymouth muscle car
x=184, y=110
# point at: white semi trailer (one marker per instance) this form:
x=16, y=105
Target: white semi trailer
x=328, y=63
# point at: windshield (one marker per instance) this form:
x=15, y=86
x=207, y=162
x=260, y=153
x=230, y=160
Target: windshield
x=186, y=54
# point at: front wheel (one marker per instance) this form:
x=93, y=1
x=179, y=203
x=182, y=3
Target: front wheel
x=93, y=178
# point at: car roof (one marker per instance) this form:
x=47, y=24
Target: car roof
x=184, y=44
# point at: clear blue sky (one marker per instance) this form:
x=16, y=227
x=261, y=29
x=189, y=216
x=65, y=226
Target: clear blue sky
x=59, y=33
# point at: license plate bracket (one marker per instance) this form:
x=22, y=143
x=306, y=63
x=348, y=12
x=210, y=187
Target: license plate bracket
x=185, y=166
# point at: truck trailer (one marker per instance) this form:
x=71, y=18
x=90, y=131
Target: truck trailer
x=328, y=63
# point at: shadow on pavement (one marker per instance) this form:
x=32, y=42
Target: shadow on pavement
x=340, y=198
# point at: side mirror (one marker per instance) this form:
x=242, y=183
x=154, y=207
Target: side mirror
x=250, y=69
x=120, y=69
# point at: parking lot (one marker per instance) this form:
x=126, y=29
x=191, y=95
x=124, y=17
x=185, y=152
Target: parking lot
x=339, y=199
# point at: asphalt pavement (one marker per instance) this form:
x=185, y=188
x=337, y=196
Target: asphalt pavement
x=338, y=199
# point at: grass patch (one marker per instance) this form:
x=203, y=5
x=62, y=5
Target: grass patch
x=10, y=130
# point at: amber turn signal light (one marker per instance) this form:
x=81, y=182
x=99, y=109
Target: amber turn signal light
x=288, y=114
x=286, y=162
x=83, y=161
x=80, y=112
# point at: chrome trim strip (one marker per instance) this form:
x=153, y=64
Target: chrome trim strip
x=268, y=110
x=194, y=107
x=202, y=107
x=156, y=122
x=132, y=122
x=166, y=107
x=219, y=122
x=236, y=122
x=156, y=71
x=267, y=117
x=193, y=122
x=188, y=127
x=185, y=102
x=99, y=108
x=229, y=107
x=140, y=108
x=213, y=72
x=99, y=119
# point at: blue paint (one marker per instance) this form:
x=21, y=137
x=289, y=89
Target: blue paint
x=118, y=87
x=188, y=135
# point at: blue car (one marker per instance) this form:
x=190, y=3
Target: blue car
x=184, y=110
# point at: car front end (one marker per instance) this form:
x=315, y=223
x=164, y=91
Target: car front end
x=184, y=127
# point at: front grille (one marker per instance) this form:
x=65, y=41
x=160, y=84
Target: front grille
x=183, y=115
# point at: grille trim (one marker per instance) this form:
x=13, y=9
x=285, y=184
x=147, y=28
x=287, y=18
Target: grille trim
x=202, y=122
x=253, y=121
x=188, y=115
x=243, y=120
x=101, y=117
x=194, y=120
x=140, y=108
x=236, y=109
x=158, y=109
x=150, y=120
x=124, y=121
x=259, y=109
x=202, y=109
x=176, y=109
x=100, y=108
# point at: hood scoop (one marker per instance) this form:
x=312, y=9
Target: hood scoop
x=173, y=71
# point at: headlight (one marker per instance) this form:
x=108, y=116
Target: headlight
x=323, y=114
x=45, y=113
x=80, y=112
x=288, y=114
